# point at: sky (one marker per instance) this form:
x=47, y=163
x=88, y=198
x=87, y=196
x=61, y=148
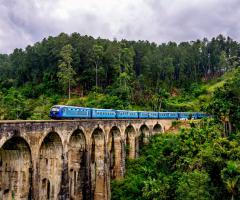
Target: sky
x=24, y=22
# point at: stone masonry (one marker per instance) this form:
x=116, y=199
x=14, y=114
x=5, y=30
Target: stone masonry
x=69, y=159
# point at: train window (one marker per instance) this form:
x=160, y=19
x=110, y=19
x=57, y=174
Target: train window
x=55, y=109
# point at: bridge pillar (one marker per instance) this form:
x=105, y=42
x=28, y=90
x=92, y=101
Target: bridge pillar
x=115, y=150
x=51, y=166
x=97, y=166
x=77, y=166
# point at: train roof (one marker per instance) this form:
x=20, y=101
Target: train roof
x=102, y=109
x=127, y=111
x=66, y=106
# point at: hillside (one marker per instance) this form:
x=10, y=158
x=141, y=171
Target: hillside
x=199, y=160
x=199, y=95
x=135, y=75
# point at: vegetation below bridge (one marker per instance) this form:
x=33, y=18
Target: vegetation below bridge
x=197, y=163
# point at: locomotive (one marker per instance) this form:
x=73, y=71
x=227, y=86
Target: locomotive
x=74, y=112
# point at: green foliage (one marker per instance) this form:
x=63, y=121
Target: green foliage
x=41, y=107
x=15, y=104
x=98, y=100
x=231, y=177
x=66, y=72
x=225, y=103
x=197, y=163
x=96, y=56
x=140, y=74
x=193, y=185
x=176, y=123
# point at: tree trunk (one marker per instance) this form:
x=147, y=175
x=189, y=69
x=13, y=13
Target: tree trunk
x=230, y=127
x=69, y=90
x=96, y=75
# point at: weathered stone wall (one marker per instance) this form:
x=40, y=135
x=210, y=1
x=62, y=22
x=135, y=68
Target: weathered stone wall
x=71, y=159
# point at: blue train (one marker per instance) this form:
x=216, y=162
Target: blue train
x=74, y=112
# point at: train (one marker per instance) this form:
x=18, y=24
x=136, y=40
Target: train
x=74, y=112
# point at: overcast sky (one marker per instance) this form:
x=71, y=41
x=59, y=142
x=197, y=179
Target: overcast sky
x=24, y=22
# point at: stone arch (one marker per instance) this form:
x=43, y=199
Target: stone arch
x=97, y=164
x=15, y=169
x=143, y=136
x=130, y=137
x=15, y=133
x=50, y=166
x=157, y=129
x=115, y=152
x=77, y=166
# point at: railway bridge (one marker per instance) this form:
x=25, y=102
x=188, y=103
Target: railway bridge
x=69, y=159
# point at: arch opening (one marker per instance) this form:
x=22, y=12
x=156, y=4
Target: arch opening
x=97, y=164
x=157, y=129
x=50, y=166
x=115, y=152
x=143, y=136
x=15, y=169
x=46, y=187
x=130, y=148
x=77, y=165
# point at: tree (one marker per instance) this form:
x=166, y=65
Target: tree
x=231, y=178
x=223, y=64
x=96, y=57
x=158, y=99
x=127, y=60
x=15, y=104
x=225, y=104
x=193, y=185
x=66, y=73
x=3, y=110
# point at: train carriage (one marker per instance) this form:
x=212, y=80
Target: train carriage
x=143, y=115
x=126, y=114
x=103, y=113
x=185, y=115
x=153, y=115
x=69, y=112
x=168, y=115
x=202, y=115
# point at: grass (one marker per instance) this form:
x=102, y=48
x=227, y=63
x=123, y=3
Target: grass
x=193, y=102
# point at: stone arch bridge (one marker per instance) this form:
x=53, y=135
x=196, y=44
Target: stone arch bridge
x=69, y=159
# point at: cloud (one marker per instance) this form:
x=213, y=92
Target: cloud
x=23, y=22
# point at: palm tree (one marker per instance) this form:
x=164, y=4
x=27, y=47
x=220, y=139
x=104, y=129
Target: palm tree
x=231, y=176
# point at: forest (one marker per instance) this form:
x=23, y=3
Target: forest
x=138, y=75
x=201, y=162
